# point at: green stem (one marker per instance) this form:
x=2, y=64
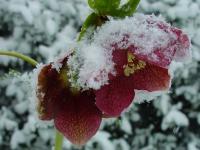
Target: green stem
x=20, y=56
x=58, y=141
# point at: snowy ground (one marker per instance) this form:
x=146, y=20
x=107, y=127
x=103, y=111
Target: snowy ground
x=44, y=29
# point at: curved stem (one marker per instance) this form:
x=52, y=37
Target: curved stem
x=20, y=56
x=58, y=141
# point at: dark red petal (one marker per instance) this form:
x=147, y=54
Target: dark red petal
x=151, y=78
x=78, y=118
x=120, y=59
x=113, y=98
x=50, y=89
x=45, y=104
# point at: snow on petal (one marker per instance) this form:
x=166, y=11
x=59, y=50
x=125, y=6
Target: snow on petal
x=149, y=37
x=92, y=64
x=183, y=53
x=143, y=95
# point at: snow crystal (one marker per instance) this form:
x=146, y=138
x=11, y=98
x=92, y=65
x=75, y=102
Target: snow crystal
x=35, y=74
x=126, y=126
x=143, y=95
x=122, y=144
x=165, y=104
x=92, y=64
x=194, y=10
x=66, y=145
x=1, y=139
x=192, y=146
x=6, y=123
x=122, y=2
x=196, y=39
x=92, y=61
x=170, y=1
x=102, y=139
x=64, y=44
x=174, y=117
x=17, y=138
x=22, y=107
x=57, y=66
x=26, y=13
x=30, y=126
x=146, y=38
x=35, y=8
x=51, y=26
x=33, y=88
x=198, y=118
x=46, y=134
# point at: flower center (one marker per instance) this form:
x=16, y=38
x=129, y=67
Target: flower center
x=133, y=65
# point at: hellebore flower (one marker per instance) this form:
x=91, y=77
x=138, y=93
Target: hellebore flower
x=139, y=64
x=74, y=114
x=99, y=80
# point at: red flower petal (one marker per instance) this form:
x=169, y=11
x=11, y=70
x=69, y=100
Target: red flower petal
x=50, y=89
x=176, y=47
x=78, y=118
x=45, y=94
x=150, y=78
x=113, y=98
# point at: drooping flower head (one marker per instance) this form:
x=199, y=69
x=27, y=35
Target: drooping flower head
x=100, y=77
x=132, y=54
x=74, y=114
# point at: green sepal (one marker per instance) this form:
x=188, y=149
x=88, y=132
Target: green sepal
x=104, y=7
x=112, y=7
x=93, y=20
x=127, y=9
x=90, y=21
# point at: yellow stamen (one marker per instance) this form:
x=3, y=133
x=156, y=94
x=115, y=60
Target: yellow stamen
x=131, y=57
x=132, y=67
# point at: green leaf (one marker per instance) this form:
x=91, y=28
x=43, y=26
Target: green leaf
x=104, y=7
x=91, y=20
x=91, y=3
x=127, y=9
x=111, y=7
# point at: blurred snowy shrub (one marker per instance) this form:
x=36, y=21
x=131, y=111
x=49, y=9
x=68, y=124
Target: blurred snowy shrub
x=43, y=29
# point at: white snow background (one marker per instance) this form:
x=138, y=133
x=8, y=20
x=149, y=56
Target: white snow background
x=45, y=29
